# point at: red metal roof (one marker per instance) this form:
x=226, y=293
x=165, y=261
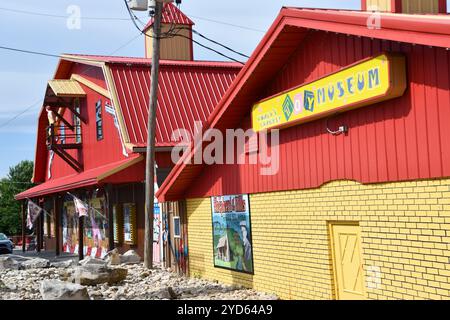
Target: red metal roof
x=280, y=42
x=188, y=92
x=171, y=14
x=84, y=179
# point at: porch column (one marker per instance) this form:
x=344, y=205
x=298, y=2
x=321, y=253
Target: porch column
x=24, y=219
x=80, y=238
x=38, y=228
x=110, y=213
x=57, y=216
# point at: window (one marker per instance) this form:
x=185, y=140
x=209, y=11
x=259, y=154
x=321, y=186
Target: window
x=77, y=121
x=99, y=120
x=62, y=133
x=176, y=227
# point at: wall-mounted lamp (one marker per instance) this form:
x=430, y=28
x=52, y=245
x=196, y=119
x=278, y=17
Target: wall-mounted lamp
x=341, y=129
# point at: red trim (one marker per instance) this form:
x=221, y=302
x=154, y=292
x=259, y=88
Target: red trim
x=396, y=6
x=442, y=6
x=364, y=5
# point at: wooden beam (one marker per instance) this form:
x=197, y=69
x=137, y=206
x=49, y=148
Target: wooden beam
x=68, y=158
x=24, y=237
x=80, y=238
x=71, y=108
x=91, y=85
x=67, y=123
x=56, y=215
x=110, y=214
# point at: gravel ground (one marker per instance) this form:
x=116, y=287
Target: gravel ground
x=140, y=284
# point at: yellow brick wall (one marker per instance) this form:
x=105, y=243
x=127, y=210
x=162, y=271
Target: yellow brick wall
x=405, y=235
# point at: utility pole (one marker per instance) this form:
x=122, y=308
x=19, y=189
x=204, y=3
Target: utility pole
x=150, y=160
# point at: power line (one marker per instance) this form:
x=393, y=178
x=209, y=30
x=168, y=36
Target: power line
x=53, y=56
x=42, y=14
x=220, y=44
x=62, y=16
x=228, y=24
x=19, y=114
x=30, y=52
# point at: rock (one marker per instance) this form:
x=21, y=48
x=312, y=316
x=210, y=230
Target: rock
x=59, y=290
x=94, y=274
x=172, y=294
x=130, y=257
x=62, y=264
x=8, y=263
x=35, y=263
x=92, y=261
x=112, y=258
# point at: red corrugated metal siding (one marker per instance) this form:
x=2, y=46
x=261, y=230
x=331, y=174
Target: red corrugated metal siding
x=401, y=139
x=185, y=94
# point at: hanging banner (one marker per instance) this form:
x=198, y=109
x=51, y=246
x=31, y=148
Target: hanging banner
x=364, y=83
x=80, y=207
x=33, y=212
x=232, y=241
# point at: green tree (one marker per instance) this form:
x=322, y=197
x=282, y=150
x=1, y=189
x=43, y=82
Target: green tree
x=17, y=180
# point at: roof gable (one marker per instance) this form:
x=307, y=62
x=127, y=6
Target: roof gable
x=172, y=15
x=282, y=39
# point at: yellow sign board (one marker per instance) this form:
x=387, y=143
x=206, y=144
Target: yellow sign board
x=361, y=84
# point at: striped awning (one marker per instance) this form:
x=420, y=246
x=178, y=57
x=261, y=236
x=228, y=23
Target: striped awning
x=66, y=88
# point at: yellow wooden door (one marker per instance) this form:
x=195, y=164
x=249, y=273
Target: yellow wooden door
x=347, y=259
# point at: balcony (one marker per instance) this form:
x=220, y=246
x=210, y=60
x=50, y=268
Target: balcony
x=61, y=138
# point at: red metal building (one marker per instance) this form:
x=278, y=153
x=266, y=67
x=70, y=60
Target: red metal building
x=91, y=142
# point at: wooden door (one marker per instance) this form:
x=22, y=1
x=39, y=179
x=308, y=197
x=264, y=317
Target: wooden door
x=347, y=261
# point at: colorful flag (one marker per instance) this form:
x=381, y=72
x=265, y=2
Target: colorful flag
x=96, y=234
x=33, y=211
x=80, y=207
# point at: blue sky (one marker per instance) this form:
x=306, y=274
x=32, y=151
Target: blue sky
x=23, y=77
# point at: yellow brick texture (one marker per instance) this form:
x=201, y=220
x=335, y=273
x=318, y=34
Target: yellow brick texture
x=405, y=236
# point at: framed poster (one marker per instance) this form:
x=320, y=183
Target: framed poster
x=232, y=240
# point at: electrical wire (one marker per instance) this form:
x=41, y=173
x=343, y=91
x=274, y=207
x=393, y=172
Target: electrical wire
x=20, y=114
x=228, y=24
x=53, y=56
x=61, y=16
x=49, y=15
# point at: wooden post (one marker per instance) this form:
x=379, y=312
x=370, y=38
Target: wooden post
x=38, y=229
x=24, y=219
x=109, y=207
x=150, y=154
x=80, y=238
x=57, y=215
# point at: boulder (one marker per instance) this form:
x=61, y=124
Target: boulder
x=90, y=261
x=60, y=290
x=35, y=263
x=130, y=257
x=62, y=264
x=9, y=263
x=112, y=258
x=95, y=274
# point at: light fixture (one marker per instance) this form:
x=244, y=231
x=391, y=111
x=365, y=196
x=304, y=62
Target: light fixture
x=341, y=129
